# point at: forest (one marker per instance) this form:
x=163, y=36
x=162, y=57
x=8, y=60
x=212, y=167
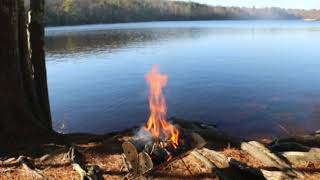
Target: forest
x=72, y=12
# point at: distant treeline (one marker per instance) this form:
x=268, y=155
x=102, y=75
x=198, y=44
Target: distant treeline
x=71, y=12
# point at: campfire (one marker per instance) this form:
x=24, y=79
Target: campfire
x=164, y=141
x=157, y=125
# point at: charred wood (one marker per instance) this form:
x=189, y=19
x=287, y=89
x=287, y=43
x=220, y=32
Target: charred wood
x=289, y=146
x=312, y=140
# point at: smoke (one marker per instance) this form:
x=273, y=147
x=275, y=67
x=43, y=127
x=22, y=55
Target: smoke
x=142, y=133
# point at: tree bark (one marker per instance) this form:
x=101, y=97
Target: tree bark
x=27, y=70
x=36, y=28
x=21, y=92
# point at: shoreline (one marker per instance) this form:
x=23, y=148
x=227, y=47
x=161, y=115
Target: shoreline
x=172, y=21
x=104, y=152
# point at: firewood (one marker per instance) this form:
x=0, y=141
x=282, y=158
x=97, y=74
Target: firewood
x=308, y=140
x=140, y=144
x=268, y=175
x=125, y=163
x=289, y=146
x=296, y=157
x=263, y=154
x=275, y=175
x=148, y=147
x=209, y=165
x=132, y=155
x=222, y=161
x=260, y=152
x=146, y=156
x=145, y=163
x=168, y=162
x=198, y=141
x=203, y=159
x=219, y=159
x=185, y=165
x=243, y=166
x=273, y=156
x=159, y=156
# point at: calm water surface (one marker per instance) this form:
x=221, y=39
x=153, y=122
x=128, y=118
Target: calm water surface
x=251, y=78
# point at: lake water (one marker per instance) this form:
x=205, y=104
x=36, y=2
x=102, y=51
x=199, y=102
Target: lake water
x=250, y=78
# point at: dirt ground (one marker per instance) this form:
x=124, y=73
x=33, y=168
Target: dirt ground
x=105, y=152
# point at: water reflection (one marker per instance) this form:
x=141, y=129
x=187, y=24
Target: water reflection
x=81, y=39
x=254, y=78
x=111, y=40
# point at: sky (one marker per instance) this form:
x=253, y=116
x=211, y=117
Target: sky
x=294, y=4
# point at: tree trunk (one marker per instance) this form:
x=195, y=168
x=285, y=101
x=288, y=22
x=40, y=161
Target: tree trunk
x=36, y=28
x=24, y=102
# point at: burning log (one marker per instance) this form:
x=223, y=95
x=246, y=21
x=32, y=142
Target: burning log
x=151, y=157
x=160, y=155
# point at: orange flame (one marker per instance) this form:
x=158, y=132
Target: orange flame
x=157, y=124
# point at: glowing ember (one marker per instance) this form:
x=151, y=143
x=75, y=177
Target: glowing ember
x=157, y=124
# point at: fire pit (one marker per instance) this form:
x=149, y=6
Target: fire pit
x=142, y=156
x=164, y=142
